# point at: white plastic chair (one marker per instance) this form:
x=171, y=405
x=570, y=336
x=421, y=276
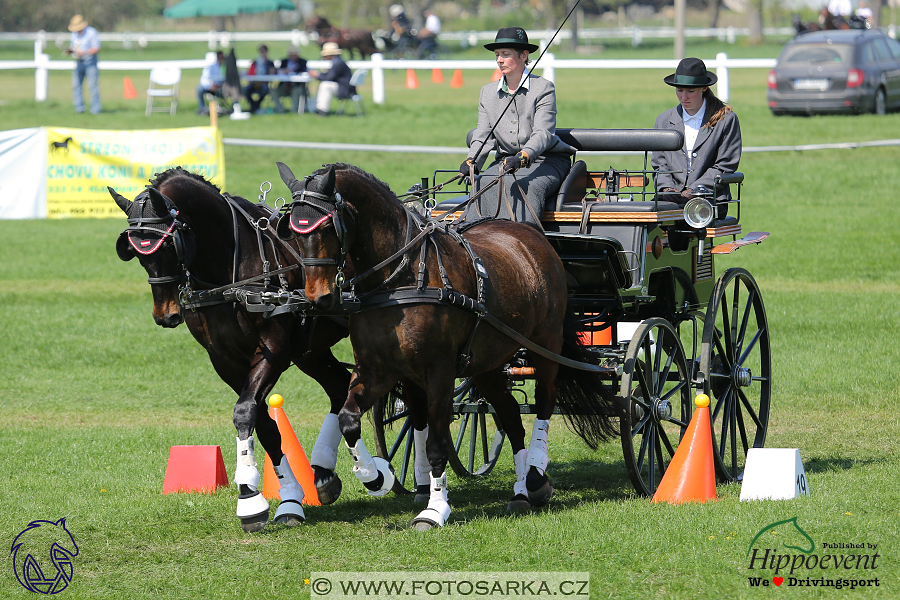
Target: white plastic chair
x=164, y=83
x=358, y=78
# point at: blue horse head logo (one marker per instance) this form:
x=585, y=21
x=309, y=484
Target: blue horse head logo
x=42, y=556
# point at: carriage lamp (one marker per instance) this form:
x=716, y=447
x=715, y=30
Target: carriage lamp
x=698, y=212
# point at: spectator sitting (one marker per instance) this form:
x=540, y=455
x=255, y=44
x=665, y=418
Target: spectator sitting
x=211, y=80
x=256, y=91
x=428, y=35
x=292, y=65
x=336, y=82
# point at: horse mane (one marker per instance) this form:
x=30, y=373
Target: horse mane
x=161, y=178
x=363, y=178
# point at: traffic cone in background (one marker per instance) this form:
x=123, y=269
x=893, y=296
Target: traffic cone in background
x=437, y=76
x=129, y=92
x=497, y=75
x=412, y=82
x=291, y=447
x=456, y=81
x=691, y=476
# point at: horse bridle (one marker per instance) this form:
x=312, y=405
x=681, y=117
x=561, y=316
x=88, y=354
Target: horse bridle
x=166, y=227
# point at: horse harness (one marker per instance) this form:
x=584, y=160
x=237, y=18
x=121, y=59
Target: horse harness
x=148, y=232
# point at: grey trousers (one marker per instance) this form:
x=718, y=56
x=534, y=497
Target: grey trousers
x=538, y=181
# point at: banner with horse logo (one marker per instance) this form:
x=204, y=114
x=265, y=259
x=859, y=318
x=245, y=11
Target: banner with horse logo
x=81, y=163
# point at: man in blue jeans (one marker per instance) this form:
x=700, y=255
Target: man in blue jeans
x=84, y=46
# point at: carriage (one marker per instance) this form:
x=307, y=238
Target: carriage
x=660, y=324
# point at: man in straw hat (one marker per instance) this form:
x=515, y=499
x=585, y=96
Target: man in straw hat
x=335, y=82
x=524, y=137
x=84, y=46
x=712, y=137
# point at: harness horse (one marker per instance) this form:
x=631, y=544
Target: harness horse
x=424, y=292
x=210, y=280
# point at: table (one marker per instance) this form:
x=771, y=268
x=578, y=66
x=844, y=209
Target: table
x=301, y=78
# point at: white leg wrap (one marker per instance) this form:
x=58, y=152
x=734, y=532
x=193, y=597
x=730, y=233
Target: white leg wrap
x=291, y=494
x=325, y=451
x=521, y=471
x=422, y=466
x=438, y=510
x=366, y=468
x=246, y=472
x=537, y=449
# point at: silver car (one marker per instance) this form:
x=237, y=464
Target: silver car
x=839, y=71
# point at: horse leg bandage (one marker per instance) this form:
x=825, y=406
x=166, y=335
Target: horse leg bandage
x=246, y=472
x=290, y=511
x=375, y=473
x=521, y=471
x=537, y=449
x=325, y=451
x=438, y=510
x=422, y=466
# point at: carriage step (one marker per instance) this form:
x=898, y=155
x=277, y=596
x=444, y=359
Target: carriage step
x=754, y=237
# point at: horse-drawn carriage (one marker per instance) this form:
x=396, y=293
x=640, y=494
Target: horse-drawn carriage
x=642, y=280
x=620, y=287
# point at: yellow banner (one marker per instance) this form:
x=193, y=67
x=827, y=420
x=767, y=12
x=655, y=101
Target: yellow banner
x=81, y=163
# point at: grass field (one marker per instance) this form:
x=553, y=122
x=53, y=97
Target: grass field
x=93, y=393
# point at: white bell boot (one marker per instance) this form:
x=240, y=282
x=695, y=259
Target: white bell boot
x=375, y=473
x=252, y=508
x=438, y=510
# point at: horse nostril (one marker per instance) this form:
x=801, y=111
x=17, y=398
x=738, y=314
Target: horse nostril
x=169, y=321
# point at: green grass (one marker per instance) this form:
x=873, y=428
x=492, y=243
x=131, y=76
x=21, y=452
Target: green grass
x=93, y=393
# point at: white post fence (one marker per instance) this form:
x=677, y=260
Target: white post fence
x=378, y=65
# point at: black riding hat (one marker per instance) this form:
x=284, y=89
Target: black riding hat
x=691, y=73
x=512, y=37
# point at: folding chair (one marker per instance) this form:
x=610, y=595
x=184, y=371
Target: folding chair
x=358, y=78
x=164, y=85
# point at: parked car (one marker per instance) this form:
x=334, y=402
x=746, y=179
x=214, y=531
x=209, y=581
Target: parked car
x=837, y=71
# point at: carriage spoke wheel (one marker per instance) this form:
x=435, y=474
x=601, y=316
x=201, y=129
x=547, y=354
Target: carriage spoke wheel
x=476, y=435
x=394, y=443
x=657, y=392
x=735, y=364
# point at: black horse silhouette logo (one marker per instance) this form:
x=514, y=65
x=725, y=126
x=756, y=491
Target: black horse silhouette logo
x=62, y=146
x=35, y=570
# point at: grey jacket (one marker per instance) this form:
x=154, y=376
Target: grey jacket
x=529, y=124
x=716, y=151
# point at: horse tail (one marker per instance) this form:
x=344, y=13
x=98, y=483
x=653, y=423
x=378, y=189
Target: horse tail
x=587, y=402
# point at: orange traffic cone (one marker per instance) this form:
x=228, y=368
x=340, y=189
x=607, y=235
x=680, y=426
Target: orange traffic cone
x=194, y=469
x=456, y=81
x=437, y=76
x=412, y=81
x=291, y=447
x=691, y=476
x=497, y=75
x=129, y=92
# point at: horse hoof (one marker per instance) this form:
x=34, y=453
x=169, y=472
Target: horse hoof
x=519, y=504
x=423, y=494
x=289, y=520
x=422, y=525
x=542, y=495
x=255, y=523
x=329, y=490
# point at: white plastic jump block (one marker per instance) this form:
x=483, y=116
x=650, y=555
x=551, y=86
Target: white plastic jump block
x=774, y=474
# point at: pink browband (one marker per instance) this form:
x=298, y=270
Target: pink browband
x=311, y=227
x=143, y=246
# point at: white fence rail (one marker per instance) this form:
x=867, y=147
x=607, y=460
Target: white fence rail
x=548, y=65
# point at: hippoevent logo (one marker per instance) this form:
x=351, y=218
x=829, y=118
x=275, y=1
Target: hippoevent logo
x=42, y=556
x=784, y=554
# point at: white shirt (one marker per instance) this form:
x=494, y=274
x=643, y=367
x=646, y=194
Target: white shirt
x=865, y=12
x=433, y=24
x=84, y=40
x=692, y=125
x=841, y=8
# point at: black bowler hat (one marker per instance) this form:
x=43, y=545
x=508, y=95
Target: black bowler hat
x=691, y=72
x=512, y=37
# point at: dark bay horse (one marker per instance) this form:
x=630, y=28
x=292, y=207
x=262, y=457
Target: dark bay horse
x=346, y=39
x=414, y=282
x=187, y=235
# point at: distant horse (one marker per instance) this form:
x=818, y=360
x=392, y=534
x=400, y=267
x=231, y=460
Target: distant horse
x=347, y=39
x=424, y=292
x=189, y=236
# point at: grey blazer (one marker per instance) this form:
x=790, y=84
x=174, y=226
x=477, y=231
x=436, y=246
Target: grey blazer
x=529, y=124
x=716, y=151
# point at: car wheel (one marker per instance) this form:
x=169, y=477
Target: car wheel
x=880, y=107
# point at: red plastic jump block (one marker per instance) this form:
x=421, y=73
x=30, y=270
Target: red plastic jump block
x=195, y=469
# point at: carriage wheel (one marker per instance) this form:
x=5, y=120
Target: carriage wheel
x=394, y=443
x=476, y=435
x=735, y=364
x=657, y=392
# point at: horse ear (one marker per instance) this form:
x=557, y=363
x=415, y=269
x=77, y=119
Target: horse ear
x=287, y=176
x=159, y=202
x=123, y=202
x=327, y=181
